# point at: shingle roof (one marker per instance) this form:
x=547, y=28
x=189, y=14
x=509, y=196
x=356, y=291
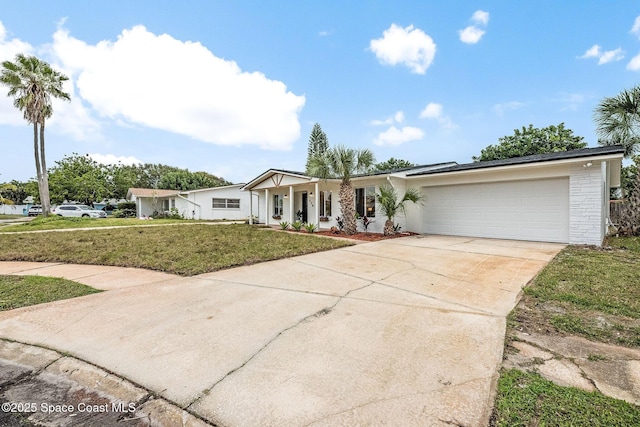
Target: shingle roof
x=537, y=158
x=152, y=192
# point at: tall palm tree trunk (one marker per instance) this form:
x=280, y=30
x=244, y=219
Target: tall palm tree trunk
x=36, y=153
x=347, y=207
x=44, y=191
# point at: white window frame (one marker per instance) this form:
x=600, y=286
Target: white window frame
x=325, y=203
x=225, y=203
x=368, y=207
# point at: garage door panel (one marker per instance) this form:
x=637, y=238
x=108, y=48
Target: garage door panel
x=527, y=210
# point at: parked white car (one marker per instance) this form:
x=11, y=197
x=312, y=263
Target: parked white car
x=79, y=211
x=35, y=210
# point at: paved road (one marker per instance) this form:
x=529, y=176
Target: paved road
x=401, y=332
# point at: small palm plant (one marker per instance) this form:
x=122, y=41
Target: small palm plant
x=390, y=204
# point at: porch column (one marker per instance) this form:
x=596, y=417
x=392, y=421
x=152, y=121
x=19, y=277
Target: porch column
x=266, y=206
x=317, y=205
x=291, y=213
x=251, y=207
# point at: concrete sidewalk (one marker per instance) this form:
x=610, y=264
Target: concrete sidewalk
x=406, y=332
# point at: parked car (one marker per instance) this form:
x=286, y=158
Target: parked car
x=78, y=211
x=34, y=210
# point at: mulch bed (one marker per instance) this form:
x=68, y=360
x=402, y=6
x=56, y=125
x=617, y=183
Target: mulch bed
x=367, y=237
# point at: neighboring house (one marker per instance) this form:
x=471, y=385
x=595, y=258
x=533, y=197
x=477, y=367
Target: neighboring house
x=558, y=197
x=227, y=202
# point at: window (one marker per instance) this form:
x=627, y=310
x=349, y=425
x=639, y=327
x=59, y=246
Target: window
x=278, y=202
x=168, y=204
x=325, y=203
x=225, y=203
x=366, y=202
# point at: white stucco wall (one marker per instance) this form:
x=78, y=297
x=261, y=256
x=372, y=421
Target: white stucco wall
x=586, y=203
x=198, y=204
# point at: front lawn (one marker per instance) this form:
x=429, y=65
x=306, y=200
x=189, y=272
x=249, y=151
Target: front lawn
x=526, y=399
x=55, y=222
x=185, y=250
x=586, y=291
x=23, y=291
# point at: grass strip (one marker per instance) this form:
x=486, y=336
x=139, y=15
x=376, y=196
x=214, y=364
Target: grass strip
x=527, y=399
x=23, y=291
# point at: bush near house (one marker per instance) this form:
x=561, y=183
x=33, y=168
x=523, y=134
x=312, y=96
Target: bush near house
x=125, y=210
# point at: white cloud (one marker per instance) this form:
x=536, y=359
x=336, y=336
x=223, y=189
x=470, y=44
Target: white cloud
x=431, y=111
x=71, y=118
x=434, y=111
x=9, y=47
x=325, y=33
x=473, y=33
x=395, y=136
x=500, y=109
x=592, y=52
x=408, y=46
x=611, y=55
x=634, y=64
x=603, y=57
x=398, y=117
x=181, y=87
x=480, y=17
x=636, y=27
x=112, y=159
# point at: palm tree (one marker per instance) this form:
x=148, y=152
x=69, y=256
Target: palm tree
x=342, y=163
x=618, y=120
x=390, y=205
x=32, y=82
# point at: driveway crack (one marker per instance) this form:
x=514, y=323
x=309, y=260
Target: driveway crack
x=322, y=312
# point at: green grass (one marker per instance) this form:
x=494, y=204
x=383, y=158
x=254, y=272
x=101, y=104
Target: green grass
x=55, y=222
x=526, y=399
x=23, y=291
x=590, y=292
x=185, y=250
x=606, y=281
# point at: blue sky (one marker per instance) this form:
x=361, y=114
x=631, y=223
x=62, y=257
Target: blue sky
x=234, y=88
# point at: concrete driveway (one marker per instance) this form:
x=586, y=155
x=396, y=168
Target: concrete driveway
x=405, y=332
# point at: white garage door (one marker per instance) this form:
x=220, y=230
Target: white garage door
x=522, y=210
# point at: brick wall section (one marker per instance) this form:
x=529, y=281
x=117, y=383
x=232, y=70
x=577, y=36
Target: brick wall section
x=585, y=205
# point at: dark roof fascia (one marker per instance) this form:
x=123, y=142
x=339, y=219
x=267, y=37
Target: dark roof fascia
x=398, y=170
x=537, y=158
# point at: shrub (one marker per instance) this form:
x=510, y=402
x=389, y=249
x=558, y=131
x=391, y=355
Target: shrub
x=297, y=225
x=284, y=225
x=125, y=210
x=310, y=227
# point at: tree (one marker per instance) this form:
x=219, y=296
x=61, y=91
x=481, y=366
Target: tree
x=32, y=83
x=4, y=189
x=185, y=180
x=618, y=120
x=392, y=164
x=15, y=192
x=391, y=205
x=318, y=143
x=342, y=163
x=80, y=179
x=530, y=141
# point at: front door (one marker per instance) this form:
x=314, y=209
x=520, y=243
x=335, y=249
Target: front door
x=304, y=207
